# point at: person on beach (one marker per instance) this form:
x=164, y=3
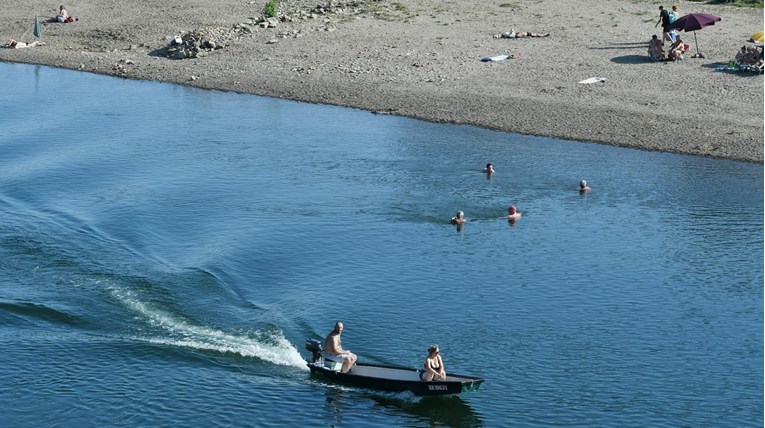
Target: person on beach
x=677, y=49
x=674, y=14
x=751, y=56
x=655, y=51
x=15, y=44
x=742, y=54
x=512, y=34
x=334, y=350
x=664, y=21
x=458, y=219
x=489, y=169
x=513, y=214
x=433, y=367
x=63, y=14
x=583, y=187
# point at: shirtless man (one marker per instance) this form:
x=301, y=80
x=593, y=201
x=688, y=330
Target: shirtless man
x=63, y=14
x=583, y=187
x=334, y=349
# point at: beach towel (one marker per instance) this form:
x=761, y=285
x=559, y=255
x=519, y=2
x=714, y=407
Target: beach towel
x=593, y=80
x=495, y=58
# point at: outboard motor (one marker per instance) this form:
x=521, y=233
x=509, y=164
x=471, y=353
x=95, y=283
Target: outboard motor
x=314, y=346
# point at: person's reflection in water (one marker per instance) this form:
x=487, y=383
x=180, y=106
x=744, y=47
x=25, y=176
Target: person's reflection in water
x=335, y=406
x=450, y=411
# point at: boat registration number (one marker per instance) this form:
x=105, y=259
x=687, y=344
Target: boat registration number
x=437, y=387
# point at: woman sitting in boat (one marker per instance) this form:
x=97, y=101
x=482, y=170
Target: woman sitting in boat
x=433, y=368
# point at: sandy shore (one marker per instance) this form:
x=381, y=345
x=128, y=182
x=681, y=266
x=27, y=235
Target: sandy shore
x=422, y=59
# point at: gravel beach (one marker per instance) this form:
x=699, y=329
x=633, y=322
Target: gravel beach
x=422, y=59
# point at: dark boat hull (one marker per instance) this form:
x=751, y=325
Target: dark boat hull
x=396, y=379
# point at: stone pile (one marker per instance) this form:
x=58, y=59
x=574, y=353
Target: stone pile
x=197, y=43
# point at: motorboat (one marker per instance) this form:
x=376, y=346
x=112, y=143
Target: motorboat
x=387, y=378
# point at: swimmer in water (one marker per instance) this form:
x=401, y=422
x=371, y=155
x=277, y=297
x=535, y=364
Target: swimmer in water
x=513, y=214
x=458, y=218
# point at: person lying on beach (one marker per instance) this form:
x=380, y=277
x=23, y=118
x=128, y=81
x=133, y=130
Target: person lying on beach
x=751, y=56
x=15, y=44
x=512, y=34
x=758, y=66
x=655, y=51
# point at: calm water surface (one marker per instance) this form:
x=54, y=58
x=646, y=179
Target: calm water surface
x=165, y=252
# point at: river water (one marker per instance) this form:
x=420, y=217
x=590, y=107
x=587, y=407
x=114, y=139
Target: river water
x=165, y=252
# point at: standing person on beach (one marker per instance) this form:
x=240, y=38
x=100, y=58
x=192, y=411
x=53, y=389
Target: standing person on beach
x=674, y=14
x=664, y=21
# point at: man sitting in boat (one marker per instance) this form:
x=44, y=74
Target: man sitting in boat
x=433, y=368
x=334, y=350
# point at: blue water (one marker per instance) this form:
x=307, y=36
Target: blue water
x=165, y=252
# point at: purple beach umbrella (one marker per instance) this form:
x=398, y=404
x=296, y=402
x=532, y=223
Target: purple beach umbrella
x=693, y=22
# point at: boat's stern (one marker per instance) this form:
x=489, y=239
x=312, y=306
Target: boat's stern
x=314, y=347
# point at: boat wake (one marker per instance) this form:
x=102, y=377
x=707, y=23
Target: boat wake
x=269, y=346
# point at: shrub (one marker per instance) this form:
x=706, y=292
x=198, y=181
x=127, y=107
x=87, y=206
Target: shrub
x=271, y=9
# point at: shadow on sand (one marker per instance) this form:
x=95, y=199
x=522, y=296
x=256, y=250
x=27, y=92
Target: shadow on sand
x=632, y=59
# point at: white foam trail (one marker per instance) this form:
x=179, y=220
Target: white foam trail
x=277, y=350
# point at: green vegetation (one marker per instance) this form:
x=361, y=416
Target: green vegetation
x=271, y=9
x=512, y=6
x=400, y=7
x=397, y=12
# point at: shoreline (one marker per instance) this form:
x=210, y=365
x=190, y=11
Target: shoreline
x=423, y=61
